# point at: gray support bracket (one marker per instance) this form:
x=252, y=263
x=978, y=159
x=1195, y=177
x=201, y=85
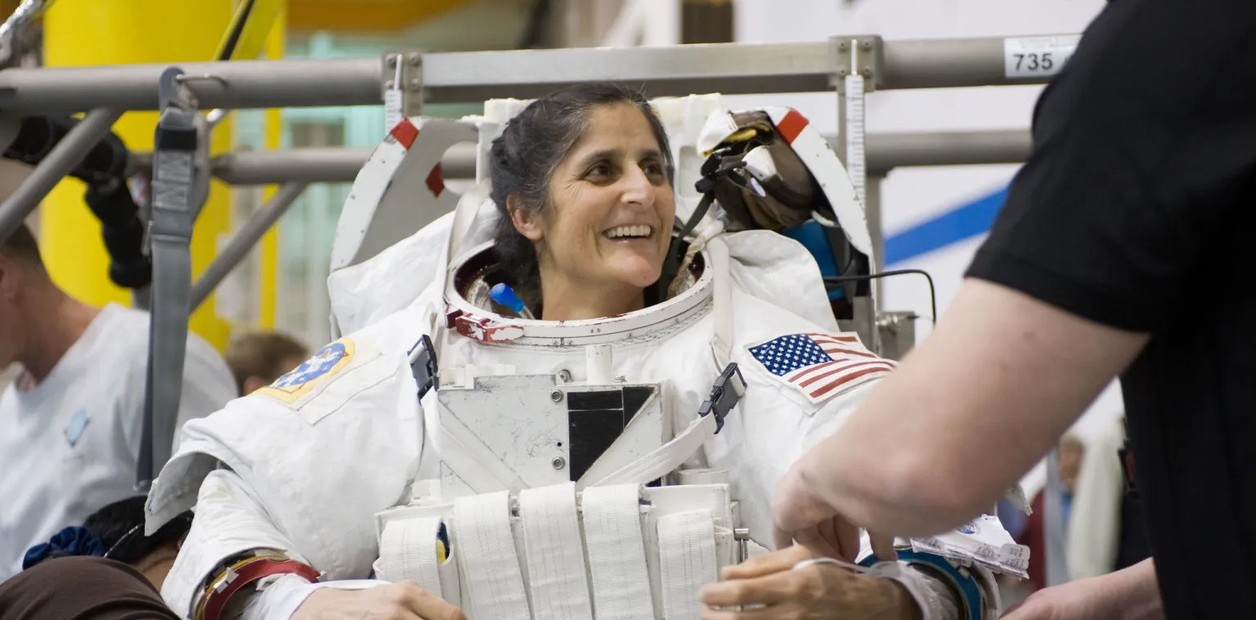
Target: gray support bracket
x=176, y=201
x=896, y=334
x=402, y=91
x=854, y=56
x=856, y=64
x=862, y=54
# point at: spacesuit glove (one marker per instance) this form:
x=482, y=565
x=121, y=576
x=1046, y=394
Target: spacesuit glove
x=403, y=601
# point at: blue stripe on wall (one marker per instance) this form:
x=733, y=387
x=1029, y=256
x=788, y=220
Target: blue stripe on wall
x=958, y=224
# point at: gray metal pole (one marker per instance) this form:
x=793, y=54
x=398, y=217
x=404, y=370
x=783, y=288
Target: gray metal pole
x=63, y=157
x=732, y=68
x=310, y=165
x=887, y=151
x=244, y=241
x=872, y=211
x=944, y=63
x=235, y=84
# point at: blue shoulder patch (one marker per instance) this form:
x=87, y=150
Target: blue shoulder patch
x=326, y=362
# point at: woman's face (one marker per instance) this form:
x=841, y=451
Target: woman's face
x=608, y=223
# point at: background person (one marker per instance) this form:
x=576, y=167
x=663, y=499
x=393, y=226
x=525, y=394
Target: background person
x=72, y=419
x=1135, y=203
x=257, y=358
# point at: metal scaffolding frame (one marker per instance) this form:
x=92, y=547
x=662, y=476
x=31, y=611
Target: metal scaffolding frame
x=731, y=68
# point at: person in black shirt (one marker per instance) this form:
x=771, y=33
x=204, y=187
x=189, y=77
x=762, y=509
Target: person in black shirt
x=1122, y=250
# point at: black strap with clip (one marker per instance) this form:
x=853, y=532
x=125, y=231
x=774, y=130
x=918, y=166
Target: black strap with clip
x=726, y=392
x=423, y=366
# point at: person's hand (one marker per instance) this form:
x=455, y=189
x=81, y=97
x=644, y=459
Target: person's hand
x=1076, y=600
x=395, y=601
x=801, y=516
x=770, y=586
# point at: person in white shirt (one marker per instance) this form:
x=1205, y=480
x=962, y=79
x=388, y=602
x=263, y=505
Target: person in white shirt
x=70, y=423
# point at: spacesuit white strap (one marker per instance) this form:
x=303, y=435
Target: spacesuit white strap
x=485, y=549
x=687, y=561
x=555, y=560
x=407, y=550
x=464, y=218
x=662, y=460
x=722, y=302
x=616, y=552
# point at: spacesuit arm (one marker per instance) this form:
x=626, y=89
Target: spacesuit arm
x=230, y=521
x=301, y=471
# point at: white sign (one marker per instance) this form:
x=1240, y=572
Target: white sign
x=1037, y=56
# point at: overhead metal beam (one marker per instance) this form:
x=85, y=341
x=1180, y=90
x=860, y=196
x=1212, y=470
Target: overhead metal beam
x=732, y=68
x=235, y=84
x=886, y=151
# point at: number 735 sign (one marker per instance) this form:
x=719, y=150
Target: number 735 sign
x=1037, y=56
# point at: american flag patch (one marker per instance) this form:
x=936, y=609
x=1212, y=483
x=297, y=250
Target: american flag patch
x=820, y=365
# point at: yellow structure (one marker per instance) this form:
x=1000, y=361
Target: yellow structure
x=268, y=263
x=135, y=31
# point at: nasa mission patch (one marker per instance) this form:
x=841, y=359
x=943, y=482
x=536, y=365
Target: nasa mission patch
x=325, y=363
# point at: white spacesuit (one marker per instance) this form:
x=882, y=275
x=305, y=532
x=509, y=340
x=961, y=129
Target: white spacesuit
x=475, y=452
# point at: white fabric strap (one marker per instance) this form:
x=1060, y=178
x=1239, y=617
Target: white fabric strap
x=464, y=216
x=551, y=538
x=407, y=550
x=616, y=550
x=722, y=303
x=664, y=459
x=686, y=561
x=463, y=453
x=485, y=549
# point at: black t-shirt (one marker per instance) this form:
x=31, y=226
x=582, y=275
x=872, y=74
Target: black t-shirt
x=1136, y=210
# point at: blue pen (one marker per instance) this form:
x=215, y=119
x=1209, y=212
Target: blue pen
x=504, y=295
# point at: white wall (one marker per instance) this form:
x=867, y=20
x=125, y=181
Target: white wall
x=912, y=196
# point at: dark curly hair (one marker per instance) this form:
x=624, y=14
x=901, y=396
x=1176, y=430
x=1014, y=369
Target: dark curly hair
x=118, y=528
x=525, y=156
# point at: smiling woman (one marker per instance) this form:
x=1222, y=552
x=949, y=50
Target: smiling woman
x=583, y=179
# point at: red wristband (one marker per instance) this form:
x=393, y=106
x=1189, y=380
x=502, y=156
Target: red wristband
x=243, y=572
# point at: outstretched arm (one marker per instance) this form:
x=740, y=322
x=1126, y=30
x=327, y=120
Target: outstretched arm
x=1128, y=594
x=970, y=410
